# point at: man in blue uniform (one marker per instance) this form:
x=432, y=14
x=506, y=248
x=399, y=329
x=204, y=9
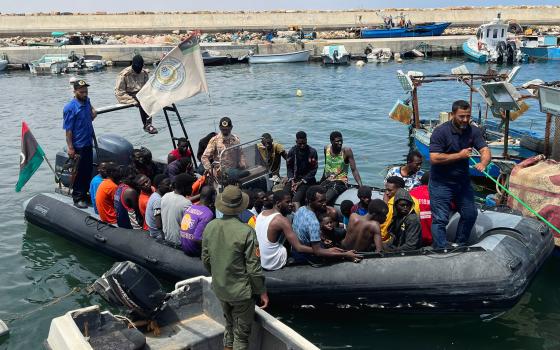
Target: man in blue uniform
x=77, y=122
x=451, y=144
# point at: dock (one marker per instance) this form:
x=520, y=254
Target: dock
x=122, y=54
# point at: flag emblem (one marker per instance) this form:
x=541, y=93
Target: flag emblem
x=169, y=75
x=31, y=156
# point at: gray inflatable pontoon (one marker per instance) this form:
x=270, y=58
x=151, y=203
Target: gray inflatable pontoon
x=505, y=253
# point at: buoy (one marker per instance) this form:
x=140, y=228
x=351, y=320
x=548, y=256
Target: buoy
x=360, y=63
x=397, y=57
x=3, y=328
x=299, y=93
x=445, y=58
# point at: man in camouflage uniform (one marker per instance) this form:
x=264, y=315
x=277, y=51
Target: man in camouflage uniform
x=230, y=253
x=129, y=82
x=230, y=160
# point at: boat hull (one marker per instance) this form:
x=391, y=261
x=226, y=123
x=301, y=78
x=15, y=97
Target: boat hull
x=474, y=55
x=3, y=65
x=491, y=275
x=290, y=57
x=542, y=53
x=342, y=61
x=435, y=29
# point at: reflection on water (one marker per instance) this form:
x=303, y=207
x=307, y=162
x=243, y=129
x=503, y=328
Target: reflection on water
x=39, y=266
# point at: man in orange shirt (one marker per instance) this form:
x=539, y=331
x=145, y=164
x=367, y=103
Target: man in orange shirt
x=104, y=199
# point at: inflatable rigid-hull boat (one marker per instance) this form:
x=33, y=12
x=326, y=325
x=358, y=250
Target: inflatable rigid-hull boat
x=489, y=275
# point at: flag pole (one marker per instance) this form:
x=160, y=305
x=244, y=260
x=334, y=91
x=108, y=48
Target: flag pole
x=57, y=179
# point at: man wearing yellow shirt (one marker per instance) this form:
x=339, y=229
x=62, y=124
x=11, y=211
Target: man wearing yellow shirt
x=392, y=185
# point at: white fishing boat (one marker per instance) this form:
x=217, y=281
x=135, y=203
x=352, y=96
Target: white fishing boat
x=3, y=64
x=49, y=64
x=192, y=318
x=335, y=55
x=378, y=55
x=87, y=63
x=492, y=44
x=288, y=57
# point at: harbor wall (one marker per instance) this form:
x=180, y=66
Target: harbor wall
x=137, y=23
x=122, y=54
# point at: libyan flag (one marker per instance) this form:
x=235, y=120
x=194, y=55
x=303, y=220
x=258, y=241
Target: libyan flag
x=31, y=155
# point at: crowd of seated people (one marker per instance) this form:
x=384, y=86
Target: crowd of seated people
x=296, y=223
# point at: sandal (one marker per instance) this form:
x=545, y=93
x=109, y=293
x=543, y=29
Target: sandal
x=150, y=129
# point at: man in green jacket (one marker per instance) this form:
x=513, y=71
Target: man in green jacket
x=230, y=252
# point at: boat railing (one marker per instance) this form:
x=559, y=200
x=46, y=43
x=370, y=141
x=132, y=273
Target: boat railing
x=167, y=111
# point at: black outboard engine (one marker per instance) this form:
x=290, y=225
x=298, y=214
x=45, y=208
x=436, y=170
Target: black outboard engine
x=132, y=286
x=511, y=49
x=110, y=148
x=502, y=52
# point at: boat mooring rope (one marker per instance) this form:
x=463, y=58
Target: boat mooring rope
x=52, y=302
x=517, y=198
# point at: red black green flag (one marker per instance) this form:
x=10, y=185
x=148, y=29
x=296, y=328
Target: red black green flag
x=31, y=156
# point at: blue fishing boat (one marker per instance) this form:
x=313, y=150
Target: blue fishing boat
x=422, y=29
x=543, y=48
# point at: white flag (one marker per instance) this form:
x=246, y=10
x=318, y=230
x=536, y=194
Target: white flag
x=179, y=75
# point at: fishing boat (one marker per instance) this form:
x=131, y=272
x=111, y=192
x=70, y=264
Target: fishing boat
x=378, y=55
x=421, y=29
x=3, y=64
x=545, y=47
x=87, y=63
x=288, y=57
x=335, y=55
x=49, y=64
x=211, y=58
x=492, y=44
x=190, y=318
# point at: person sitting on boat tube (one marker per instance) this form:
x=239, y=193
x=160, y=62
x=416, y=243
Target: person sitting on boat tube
x=411, y=172
x=232, y=160
x=301, y=167
x=272, y=228
x=308, y=230
x=405, y=228
x=129, y=82
x=364, y=232
x=451, y=144
x=337, y=160
x=392, y=185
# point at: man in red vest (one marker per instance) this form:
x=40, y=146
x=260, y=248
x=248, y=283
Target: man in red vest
x=422, y=194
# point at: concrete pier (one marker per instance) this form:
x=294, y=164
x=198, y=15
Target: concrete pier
x=211, y=21
x=122, y=54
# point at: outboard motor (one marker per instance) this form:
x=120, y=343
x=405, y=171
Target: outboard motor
x=501, y=49
x=132, y=286
x=511, y=50
x=335, y=56
x=110, y=148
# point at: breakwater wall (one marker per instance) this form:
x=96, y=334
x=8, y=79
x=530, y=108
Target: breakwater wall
x=122, y=54
x=138, y=23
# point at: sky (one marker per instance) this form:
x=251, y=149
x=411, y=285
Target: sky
x=12, y=6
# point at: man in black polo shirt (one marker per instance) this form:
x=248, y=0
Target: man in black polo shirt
x=451, y=144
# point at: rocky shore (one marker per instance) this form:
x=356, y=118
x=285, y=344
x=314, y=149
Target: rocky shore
x=241, y=37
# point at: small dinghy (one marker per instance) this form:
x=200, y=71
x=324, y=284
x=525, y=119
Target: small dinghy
x=190, y=317
x=335, y=55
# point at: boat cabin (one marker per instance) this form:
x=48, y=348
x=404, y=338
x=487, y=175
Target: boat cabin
x=493, y=33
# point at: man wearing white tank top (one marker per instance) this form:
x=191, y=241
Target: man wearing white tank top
x=272, y=227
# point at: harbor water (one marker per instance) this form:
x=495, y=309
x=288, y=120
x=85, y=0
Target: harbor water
x=38, y=267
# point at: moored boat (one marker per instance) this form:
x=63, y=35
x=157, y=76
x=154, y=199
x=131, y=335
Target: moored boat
x=3, y=64
x=191, y=318
x=335, y=55
x=288, y=57
x=49, y=64
x=378, y=54
x=543, y=48
x=420, y=29
x=492, y=44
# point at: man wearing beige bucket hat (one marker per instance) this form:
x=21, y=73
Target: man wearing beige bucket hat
x=230, y=252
